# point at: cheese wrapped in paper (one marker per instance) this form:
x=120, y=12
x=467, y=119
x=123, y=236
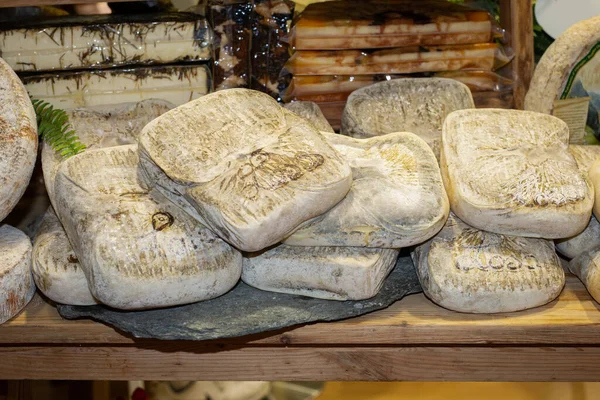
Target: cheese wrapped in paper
x=359, y=24
x=102, y=41
x=72, y=89
x=510, y=172
x=248, y=168
x=331, y=273
x=310, y=111
x=137, y=249
x=417, y=105
x=402, y=60
x=468, y=270
x=397, y=198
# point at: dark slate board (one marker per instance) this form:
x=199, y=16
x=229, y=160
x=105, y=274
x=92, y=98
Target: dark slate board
x=246, y=310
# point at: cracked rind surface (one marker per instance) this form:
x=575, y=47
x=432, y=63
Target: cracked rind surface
x=137, y=249
x=468, y=270
x=55, y=266
x=310, y=111
x=509, y=172
x=590, y=237
x=16, y=284
x=331, y=273
x=397, y=198
x=586, y=267
x=251, y=170
x=18, y=139
x=417, y=105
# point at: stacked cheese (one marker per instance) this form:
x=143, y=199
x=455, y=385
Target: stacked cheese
x=344, y=45
x=94, y=60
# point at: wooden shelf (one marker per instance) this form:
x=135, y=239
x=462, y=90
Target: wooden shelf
x=412, y=340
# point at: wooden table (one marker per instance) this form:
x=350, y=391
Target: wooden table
x=412, y=340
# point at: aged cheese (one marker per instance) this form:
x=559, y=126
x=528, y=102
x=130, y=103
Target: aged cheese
x=137, y=249
x=105, y=41
x=417, y=105
x=18, y=139
x=331, y=273
x=509, y=172
x=56, y=269
x=569, y=70
x=594, y=173
x=72, y=89
x=311, y=112
x=586, y=267
x=251, y=170
x=590, y=237
x=16, y=285
x=397, y=198
x=468, y=270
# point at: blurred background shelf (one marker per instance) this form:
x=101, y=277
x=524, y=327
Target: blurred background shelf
x=26, y=3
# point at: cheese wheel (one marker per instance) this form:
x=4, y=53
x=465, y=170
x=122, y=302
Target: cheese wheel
x=587, y=268
x=18, y=139
x=594, y=173
x=16, y=284
x=510, y=172
x=310, y=111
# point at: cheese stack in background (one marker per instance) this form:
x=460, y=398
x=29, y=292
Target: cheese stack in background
x=341, y=46
x=78, y=61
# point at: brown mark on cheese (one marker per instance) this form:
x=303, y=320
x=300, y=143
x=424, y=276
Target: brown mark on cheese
x=162, y=220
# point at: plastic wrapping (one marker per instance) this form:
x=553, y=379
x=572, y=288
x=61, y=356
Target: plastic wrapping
x=270, y=26
x=66, y=90
x=105, y=41
x=360, y=24
x=230, y=20
x=403, y=60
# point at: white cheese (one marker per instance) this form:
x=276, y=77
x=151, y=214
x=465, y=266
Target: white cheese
x=586, y=267
x=310, y=111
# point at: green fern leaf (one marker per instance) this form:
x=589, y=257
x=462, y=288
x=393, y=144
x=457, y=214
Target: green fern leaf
x=55, y=129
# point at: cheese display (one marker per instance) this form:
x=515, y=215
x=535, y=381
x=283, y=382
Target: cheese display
x=402, y=60
x=77, y=42
x=397, y=198
x=18, y=139
x=587, y=268
x=413, y=105
x=565, y=81
x=468, y=270
x=55, y=266
x=331, y=273
x=510, y=172
x=250, y=170
x=357, y=24
x=16, y=284
x=594, y=173
x=66, y=90
x=311, y=112
x=590, y=237
x=137, y=249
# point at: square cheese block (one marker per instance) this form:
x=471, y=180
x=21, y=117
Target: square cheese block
x=251, y=170
x=468, y=270
x=103, y=41
x=16, y=283
x=136, y=248
x=586, y=267
x=417, y=105
x=56, y=269
x=72, y=89
x=397, y=198
x=360, y=24
x=510, y=172
x=590, y=237
x=331, y=273
x=310, y=111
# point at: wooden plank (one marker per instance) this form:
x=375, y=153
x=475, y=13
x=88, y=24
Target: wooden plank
x=23, y=3
x=170, y=361
x=572, y=320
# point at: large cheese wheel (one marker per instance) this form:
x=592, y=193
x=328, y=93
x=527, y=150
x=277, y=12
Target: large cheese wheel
x=18, y=139
x=312, y=112
x=510, y=172
x=16, y=284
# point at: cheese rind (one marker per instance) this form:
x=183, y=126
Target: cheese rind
x=586, y=267
x=310, y=111
x=397, y=198
x=331, y=273
x=137, y=249
x=594, y=174
x=468, y=270
x=509, y=172
x=252, y=170
x=56, y=269
x=16, y=284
